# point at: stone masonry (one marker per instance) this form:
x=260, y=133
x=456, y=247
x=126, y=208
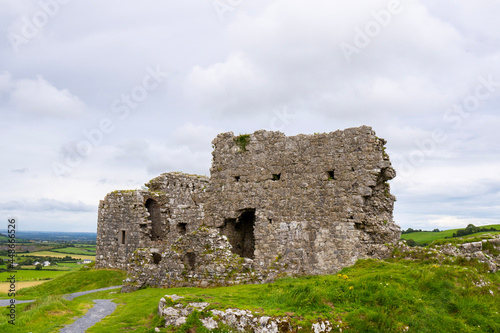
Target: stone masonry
x=273, y=206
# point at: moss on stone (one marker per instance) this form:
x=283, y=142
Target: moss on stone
x=242, y=142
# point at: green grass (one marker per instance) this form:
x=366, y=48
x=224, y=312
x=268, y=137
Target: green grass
x=47, y=314
x=371, y=296
x=75, y=250
x=76, y=281
x=31, y=275
x=427, y=237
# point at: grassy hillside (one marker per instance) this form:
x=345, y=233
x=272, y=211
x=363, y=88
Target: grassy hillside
x=428, y=237
x=77, y=281
x=372, y=296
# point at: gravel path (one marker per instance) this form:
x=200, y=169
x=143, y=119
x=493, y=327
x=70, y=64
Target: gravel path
x=6, y=302
x=101, y=309
x=70, y=297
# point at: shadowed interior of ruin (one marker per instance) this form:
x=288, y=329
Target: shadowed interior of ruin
x=240, y=233
x=155, y=217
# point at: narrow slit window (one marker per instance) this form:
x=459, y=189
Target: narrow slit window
x=123, y=235
x=190, y=261
x=331, y=175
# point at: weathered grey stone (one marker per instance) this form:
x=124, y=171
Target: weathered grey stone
x=209, y=323
x=199, y=306
x=471, y=250
x=322, y=327
x=246, y=321
x=273, y=206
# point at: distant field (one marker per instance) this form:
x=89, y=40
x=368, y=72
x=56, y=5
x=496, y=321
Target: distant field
x=4, y=287
x=60, y=267
x=429, y=236
x=60, y=255
x=76, y=250
x=31, y=275
x=4, y=239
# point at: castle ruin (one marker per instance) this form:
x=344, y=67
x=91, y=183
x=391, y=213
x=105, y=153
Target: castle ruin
x=273, y=206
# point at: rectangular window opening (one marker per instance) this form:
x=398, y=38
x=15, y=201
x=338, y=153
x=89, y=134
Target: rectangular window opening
x=182, y=227
x=331, y=175
x=237, y=178
x=123, y=239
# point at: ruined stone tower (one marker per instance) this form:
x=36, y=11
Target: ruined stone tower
x=273, y=206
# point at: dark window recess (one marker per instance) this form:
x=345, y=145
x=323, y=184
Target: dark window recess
x=156, y=258
x=123, y=237
x=237, y=178
x=276, y=176
x=181, y=228
x=270, y=220
x=240, y=233
x=331, y=175
x=190, y=261
x=153, y=208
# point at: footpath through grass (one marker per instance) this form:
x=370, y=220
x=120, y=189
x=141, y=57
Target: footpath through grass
x=372, y=296
x=50, y=312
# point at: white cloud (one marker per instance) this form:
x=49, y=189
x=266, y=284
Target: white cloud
x=289, y=54
x=37, y=96
x=197, y=138
x=45, y=204
x=240, y=75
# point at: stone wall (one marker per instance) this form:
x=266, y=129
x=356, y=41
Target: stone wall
x=274, y=205
x=129, y=220
x=320, y=201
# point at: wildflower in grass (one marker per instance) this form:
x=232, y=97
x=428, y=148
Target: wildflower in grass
x=435, y=266
x=351, y=288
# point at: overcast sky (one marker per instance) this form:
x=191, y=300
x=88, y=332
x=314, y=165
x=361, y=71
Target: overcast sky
x=103, y=95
